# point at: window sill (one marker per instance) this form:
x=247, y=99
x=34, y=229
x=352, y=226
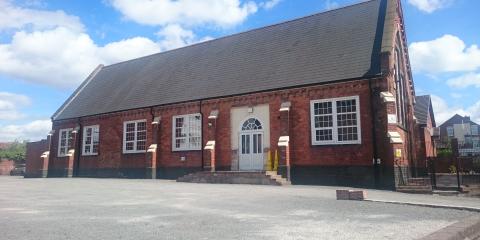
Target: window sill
x=130, y=152
x=186, y=150
x=336, y=143
x=89, y=155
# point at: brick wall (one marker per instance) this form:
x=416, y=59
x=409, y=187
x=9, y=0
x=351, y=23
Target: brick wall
x=350, y=163
x=6, y=166
x=33, y=161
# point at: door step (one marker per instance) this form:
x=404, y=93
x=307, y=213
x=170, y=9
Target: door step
x=231, y=177
x=421, y=189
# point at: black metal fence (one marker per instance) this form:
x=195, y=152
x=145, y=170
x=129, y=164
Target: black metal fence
x=452, y=171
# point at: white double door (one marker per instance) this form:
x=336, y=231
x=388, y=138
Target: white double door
x=251, y=151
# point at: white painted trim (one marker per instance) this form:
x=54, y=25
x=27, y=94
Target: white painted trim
x=187, y=139
x=135, y=139
x=60, y=141
x=91, y=144
x=245, y=119
x=334, y=127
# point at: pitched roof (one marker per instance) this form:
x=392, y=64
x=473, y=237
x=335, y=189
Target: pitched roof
x=457, y=119
x=335, y=45
x=423, y=107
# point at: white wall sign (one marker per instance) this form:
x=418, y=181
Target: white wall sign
x=392, y=118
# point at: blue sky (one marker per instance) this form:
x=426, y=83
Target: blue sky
x=48, y=47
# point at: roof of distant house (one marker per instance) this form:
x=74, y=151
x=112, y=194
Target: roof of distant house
x=458, y=119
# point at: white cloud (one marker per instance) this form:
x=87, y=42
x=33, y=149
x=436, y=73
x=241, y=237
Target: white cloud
x=10, y=104
x=269, y=4
x=14, y=17
x=61, y=57
x=126, y=49
x=445, y=54
x=174, y=36
x=466, y=80
x=329, y=5
x=34, y=130
x=456, y=95
x=430, y=6
x=223, y=13
x=443, y=111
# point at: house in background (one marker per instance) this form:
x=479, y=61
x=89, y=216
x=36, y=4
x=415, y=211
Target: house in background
x=464, y=130
x=424, y=141
x=330, y=94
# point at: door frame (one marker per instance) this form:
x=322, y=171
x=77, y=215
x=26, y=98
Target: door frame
x=251, y=134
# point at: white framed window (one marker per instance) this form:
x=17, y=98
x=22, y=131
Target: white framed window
x=450, y=131
x=135, y=136
x=90, y=140
x=335, y=121
x=187, y=132
x=65, y=139
x=474, y=130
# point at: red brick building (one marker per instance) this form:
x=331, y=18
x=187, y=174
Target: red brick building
x=336, y=86
x=425, y=125
x=33, y=162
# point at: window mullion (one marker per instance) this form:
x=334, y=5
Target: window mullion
x=135, y=131
x=187, y=131
x=334, y=120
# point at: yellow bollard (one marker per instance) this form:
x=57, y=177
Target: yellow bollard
x=275, y=163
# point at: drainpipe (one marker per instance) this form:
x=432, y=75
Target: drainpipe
x=152, y=157
x=202, y=133
x=376, y=168
x=78, y=146
x=410, y=140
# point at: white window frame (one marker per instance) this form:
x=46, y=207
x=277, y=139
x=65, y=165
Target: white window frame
x=477, y=130
x=448, y=132
x=67, y=130
x=135, y=141
x=334, y=127
x=84, y=144
x=187, y=138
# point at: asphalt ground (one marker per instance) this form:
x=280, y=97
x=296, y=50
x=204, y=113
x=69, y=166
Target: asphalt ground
x=88, y=208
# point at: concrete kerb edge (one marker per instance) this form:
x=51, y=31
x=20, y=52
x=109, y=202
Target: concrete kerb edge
x=464, y=208
x=467, y=229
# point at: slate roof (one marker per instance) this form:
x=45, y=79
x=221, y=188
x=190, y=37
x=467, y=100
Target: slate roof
x=423, y=106
x=335, y=45
x=457, y=119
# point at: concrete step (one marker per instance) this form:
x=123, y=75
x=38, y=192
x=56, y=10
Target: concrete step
x=420, y=181
x=445, y=193
x=415, y=189
x=234, y=177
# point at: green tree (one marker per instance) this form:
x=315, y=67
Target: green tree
x=16, y=152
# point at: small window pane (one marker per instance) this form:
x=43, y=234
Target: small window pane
x=129, y=146
x=140, y=145
x=324, y=135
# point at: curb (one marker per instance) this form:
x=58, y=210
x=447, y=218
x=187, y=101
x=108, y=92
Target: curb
x=464, y=208
x=466, y=229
